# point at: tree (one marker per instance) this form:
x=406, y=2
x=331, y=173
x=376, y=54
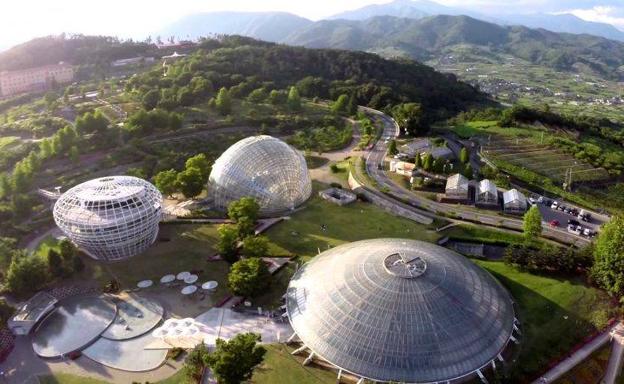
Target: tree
x=185, y=97
x=50, y=99
x=608, y=269
x=257, y=95
x=150, y=99
x=228, y=242
x=532, y=224
x=26, y=274
x=277, y=97
x=74, y=155
x=249, y=277
x=428, y=162
x=190, y=182
x=411, y=118
x=200, y=162
x=234, y=361
x=6, y=311
x=196, y=362
x=245, y=227
x=392, y=147
x=464, y=156
x=224, y=102
x=418, y=161
x=77, y=263
x=166, y=181
x=340, y=106
x=352, y=107
x=55, y=263
x=468, y=171
x=256, y=246
x=294, y=100
x=438, y=165
x=244, y=207
x=67, y=249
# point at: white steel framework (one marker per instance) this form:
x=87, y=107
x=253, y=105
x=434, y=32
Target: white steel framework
x=262, y=167
x=110, y=218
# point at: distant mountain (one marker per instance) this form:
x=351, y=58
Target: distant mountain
x=417, y=9
x=268, y=26
x=436, y=36
x=567, y=23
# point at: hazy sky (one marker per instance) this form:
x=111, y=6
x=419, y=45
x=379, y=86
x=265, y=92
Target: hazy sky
x=24, y=19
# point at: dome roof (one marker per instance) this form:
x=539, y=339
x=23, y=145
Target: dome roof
x=262, y=167
x=110, y=217
x=400, y=310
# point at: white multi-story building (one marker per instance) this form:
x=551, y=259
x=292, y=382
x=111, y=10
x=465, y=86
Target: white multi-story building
x=34, y=79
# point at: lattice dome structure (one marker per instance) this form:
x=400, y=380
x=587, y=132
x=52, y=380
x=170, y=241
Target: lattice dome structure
x=400, y=310
x=264, y=168
x=110, y=218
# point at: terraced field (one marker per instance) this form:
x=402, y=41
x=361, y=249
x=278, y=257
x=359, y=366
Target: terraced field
x=541, y=159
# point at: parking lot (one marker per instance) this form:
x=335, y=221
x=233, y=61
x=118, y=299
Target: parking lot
x=549, y=215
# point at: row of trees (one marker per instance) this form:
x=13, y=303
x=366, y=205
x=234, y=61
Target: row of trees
x=190, y=182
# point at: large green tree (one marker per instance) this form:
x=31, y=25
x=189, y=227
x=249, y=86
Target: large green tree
x=234, y=361
x=244, y=207
x=341, y=105
x=196, y=362
x=249, y=277
x=190, y=182
x=166, y=181
x=294, y=100
x=464, y=156
x=26, y=274
x=151, y=99
x=392, y=147
x=200, y=162
x=228, y=242
x=256, y=246
x=411, y=118
x=608, y=269
x=532, y=224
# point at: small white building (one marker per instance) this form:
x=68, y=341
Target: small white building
x=514, y=201
x=457, y=187
x=487, y=193
x=402, y=167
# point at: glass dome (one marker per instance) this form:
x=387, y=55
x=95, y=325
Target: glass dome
x=400, y=310
x=110, y=218
x=264, y=168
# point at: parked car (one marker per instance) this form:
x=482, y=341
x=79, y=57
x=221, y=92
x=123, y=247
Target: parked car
x=540, y=200
x=573, y=222
x=532, y=201
x=584, y=215
x=561, y=207
x=588, y=232
x=568, y=210
x=554, y=223
x=578, y=230
x=554, y=205
x=575, y=211
x=571, y=228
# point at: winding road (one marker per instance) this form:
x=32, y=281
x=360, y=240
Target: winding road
x=374, y=167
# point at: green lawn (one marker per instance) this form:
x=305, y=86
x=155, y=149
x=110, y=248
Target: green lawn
x=46, y=244
x=188, y=248
x=555, y=313
x=302, y=235
x=482, y=234
x=281, y=367
x=65, y=378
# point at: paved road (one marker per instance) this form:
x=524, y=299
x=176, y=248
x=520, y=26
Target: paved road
x=374, y=167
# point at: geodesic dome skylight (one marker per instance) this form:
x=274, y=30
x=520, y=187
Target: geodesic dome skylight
x=110, y=218
x=264, y=168
x=400, y=310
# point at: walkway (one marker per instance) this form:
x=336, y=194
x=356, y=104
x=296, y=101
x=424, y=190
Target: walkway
x=577, y=357
x=615, y=359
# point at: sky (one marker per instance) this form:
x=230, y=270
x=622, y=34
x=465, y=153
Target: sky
x=25, y=19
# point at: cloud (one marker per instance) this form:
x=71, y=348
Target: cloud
x=601, y=13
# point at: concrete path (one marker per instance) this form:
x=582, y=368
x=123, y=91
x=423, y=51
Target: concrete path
x=615, y=359
x=577, y=357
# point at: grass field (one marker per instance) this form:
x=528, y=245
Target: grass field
x=65, y=378
x=555, y=314
x=8, y=141
x=281, y=367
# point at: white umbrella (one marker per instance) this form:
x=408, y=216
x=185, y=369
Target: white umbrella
x=187, y=322
x=210, y=285
x=183, y=275
x=160, y=333
x=190, y=331
x=171, y=323
x=189, y=289
x=167, y=279
x=145, y=283
x=176, y=332
x=190, y=279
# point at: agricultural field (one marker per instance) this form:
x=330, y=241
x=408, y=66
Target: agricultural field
x=542, y=159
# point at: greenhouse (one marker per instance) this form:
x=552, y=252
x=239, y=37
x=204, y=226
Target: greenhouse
x=262, y=167
x=514, y=201
x=457, y=187
x=487, y=193
x=400, y=310
x=110, y=218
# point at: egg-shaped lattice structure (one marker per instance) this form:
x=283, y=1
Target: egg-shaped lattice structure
x=110, y=218
x=264, y=168
x=401, y=311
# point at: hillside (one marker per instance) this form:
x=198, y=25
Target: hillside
x=434, y=36
x=269, y=26
x=75, y=49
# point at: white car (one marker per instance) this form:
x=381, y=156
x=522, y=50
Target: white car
x=571, y=228
x=554, y=205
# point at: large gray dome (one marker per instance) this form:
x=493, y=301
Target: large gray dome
x=264, y=168
x=400, y=310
